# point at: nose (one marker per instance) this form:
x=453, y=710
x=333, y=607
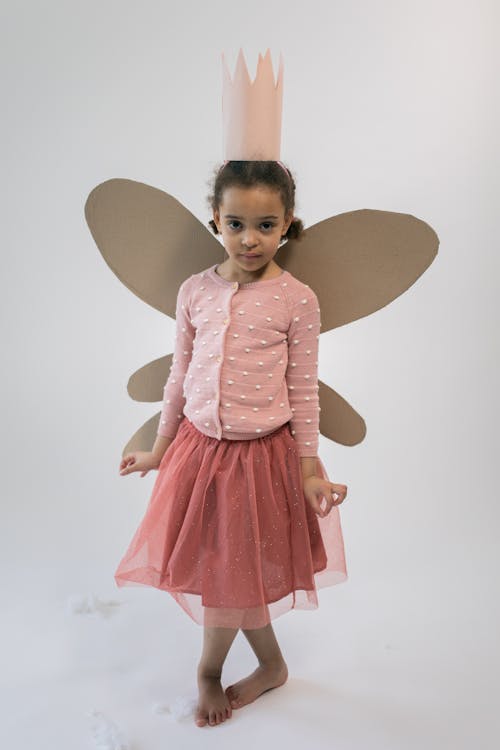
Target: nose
x=249, y=239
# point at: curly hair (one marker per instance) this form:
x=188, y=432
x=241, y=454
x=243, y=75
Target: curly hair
x=249, y=174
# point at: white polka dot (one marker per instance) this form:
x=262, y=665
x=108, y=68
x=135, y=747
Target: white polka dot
x=310, y=326
x=294, y=364
x=296, y=319
x=219, y=309
x=207, y=424
x=228, y=405
x=261, y=364
x=227, y=426
x=308, y=421
x=307, y=377
x=205, y=320
x=215, y=333
x=210, y=297
x=241, y=312
x=263, y=342
x=258, y=387
x=242, y=395
x=258, y=304
x=276, y=296
x=242, y=417
x=258, y=429
x=304, y=301
x=197, y=309
x=231, y=358
x=246, y=349
x=230, y=382
x=202, y=288
x=255, y=408
x=250, y=328
x=272, y=417
x=236, y=335
x=210, y=355
x=245, y=372
x=268, y=318
x=308, y=351
x=308, y=443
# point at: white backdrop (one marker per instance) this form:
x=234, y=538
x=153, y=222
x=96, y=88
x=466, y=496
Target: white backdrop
x=387, y=105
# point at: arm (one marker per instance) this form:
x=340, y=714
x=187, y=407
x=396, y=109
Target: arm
x=173, y=390
x=302, y=376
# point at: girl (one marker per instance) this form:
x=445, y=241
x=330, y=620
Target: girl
x=235, y=528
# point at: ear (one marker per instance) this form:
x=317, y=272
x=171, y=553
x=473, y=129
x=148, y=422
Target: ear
x=216, y=217
x=287, y=221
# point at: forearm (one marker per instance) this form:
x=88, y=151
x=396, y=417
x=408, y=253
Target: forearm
x=160, y=446
x=308, y=466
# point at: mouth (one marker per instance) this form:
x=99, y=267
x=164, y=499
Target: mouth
x=251, y=255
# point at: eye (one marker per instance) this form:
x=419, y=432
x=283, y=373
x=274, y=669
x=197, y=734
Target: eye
x=234, y=221
x=268, y=225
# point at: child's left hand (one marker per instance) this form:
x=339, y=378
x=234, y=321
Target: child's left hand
x=316, y=488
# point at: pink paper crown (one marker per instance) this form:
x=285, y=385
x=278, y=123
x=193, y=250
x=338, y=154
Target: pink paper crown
x=251, y=111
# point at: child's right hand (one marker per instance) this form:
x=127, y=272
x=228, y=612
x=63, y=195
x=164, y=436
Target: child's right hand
x=142, y=461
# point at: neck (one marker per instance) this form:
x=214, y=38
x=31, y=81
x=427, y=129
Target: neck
x=232, y=272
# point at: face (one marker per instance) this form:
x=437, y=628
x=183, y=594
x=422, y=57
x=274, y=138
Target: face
x=251, y=221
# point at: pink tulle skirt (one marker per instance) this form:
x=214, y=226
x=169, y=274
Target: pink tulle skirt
x=229, y=534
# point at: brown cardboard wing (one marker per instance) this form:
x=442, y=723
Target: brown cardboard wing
x=149, y=239
x=359, y=261
x=356, y=263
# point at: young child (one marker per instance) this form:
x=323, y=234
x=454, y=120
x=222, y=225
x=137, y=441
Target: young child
x=231, y=529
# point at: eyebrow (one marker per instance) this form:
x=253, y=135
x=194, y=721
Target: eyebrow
x=232, y=216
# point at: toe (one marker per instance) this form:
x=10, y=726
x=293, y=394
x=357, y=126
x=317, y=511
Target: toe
x=201, y=720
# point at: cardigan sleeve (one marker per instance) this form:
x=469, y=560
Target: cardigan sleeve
x=302, y=370
x=174, y=399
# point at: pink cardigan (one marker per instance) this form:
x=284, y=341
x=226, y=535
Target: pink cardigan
x=245, y=359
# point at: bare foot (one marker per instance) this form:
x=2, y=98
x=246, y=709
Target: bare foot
x=213, y=704
x=265, y=677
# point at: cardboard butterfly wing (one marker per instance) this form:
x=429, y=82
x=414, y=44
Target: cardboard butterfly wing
x=356, y=263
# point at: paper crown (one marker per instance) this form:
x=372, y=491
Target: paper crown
x=251, y=111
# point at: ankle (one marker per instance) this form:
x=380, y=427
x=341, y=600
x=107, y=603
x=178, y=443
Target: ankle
x=206, y=672
x=274, y=663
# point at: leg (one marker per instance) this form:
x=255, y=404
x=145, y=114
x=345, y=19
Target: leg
x=271, y=672
x=213, y=705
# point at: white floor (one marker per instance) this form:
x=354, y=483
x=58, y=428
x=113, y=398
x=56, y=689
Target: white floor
x=389, y=664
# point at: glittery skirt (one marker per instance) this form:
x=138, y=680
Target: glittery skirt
x=229, y=533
